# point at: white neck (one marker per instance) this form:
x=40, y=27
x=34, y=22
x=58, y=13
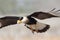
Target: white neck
x=25, y=19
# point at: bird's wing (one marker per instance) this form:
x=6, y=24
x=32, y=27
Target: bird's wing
x=42, y=15
x=8, y=20
x=39, y=27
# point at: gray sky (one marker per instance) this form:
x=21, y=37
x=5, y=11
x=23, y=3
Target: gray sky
x=27, y=6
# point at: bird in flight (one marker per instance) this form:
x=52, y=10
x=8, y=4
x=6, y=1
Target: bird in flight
x=33, y=24
x=29, y=21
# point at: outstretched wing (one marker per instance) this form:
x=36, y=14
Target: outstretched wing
x=42, y=15
x=8, y=20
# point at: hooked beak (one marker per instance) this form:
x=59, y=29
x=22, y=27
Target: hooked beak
x=19, y=21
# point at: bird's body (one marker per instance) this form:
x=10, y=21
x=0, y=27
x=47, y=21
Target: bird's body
x=31, y=20
x=33, y=24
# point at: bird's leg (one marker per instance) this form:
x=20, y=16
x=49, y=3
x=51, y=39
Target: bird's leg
x=36, y=30
x=31, y=29
x=27, y=26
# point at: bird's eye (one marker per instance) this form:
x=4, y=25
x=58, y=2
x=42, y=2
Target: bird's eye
x=21, y=18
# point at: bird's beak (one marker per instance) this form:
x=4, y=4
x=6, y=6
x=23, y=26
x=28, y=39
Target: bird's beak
x=19, y=21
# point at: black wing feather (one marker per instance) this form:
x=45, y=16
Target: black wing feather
x=42, y=15
x=8, y=20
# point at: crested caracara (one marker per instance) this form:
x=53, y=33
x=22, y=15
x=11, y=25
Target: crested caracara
x=33, y=24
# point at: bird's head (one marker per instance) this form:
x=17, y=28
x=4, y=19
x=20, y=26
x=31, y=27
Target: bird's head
x=22, y=20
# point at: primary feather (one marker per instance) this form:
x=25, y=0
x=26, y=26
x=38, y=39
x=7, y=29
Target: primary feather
x=8, y=20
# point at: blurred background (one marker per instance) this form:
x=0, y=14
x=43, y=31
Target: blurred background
x=23, y=8
x=17, y=7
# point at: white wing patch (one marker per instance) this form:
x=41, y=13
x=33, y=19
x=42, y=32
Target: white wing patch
x=38, y=26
